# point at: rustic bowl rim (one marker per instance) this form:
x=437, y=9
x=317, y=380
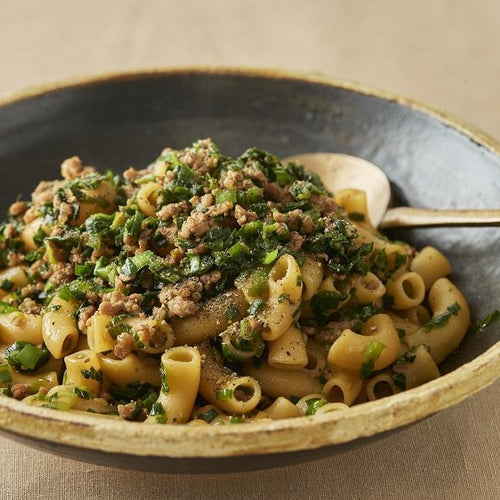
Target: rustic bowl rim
x=113, y=435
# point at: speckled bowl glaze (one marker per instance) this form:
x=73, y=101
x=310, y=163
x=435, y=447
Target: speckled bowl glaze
x=121, y=120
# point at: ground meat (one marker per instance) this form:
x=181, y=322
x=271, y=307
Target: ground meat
x=210, y=278
x=152, y=337
x=9, y=231
x=114, y=303
x=172, y=209
x=169, y=233
x=20, y=391
x=200, y=160
x=44, y=192
x=18, y=208
x=182, y=298
x=296, y=240
x=159, y=313
x=131, y=174
x=198, y=223
x=325, y=204
x=331, y=331
x=28, y=290
x=29, y=306
x=244, y=216
x=75, y=256
x=276, y=192
x=255, y=174
x=307, y=226
x=292, y=219
x=85, y=314
x=71, y=168
x=176, y=255
x=143, y=240
x=65, y=213
x=29, y=216
x=127, y=411
x=62, y=273
x=233, y=179
x=199, y=249
x=125, y=344
x=15, y=258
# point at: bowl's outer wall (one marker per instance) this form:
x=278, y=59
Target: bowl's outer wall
x=128, y=121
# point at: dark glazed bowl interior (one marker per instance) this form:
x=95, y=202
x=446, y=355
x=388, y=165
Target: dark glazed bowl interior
x=127, y=120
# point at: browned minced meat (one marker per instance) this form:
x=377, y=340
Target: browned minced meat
x=307, y=226
x=20, y=391
x=169, y=233
x=143, y=240
x=131, y=174
x=38, y=267
x=62, y=273
x=325, y=204
x=127, y=411
x=29, y=216
x=176, y=255
x=65, y=212
x=28, y=290
x=159, y=313
x=182, y=298
x=199, y=249
x=125, y=344
x=14, y=258
x=331, y=331
x=296, y=240
x=293, y=219
x=276, y=192
x=114, y=303
x=18, y=208
x=233, y=179
x=210, y=278
x=150, y=336
x=244, y=216
x=200, y=160
x=198, y=223
x=171, y=210
x=9, y=231
x=85, y=314
x=255, y=174
x=44, y=192
x=29, y=306
x=71, y=168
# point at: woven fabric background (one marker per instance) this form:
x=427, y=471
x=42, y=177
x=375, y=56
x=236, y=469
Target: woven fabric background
x=443, y=52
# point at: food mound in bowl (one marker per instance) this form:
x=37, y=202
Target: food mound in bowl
x=206, y=289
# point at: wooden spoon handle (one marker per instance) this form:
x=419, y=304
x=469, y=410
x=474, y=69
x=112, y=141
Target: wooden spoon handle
x=424, y=217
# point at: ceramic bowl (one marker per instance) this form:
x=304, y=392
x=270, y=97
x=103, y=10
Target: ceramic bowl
x=121, y=120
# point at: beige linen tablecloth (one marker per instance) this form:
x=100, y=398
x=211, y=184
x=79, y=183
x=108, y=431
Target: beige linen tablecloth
x=443, y=52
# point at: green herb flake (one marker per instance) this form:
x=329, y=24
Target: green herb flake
x=93, y=374
x=7, y=285
x=442, y=319
x=255, y=307
x=5, y=375
x=207, y=416
x=482, y=324
x=313, y=405
x=231, y=312
x=224, y=394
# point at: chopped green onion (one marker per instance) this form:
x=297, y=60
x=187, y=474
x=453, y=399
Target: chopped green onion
x=63, y=399
x=270, y=257
x=208, y=416
x=442, y=319
x=25, y=357
x=258, y=283
x=7, y=285
x=6, y=308
x=224, y=394
x=5, y=375
x=482, y=324
x=314, y=404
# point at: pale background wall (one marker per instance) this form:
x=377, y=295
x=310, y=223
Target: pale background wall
x=443, y=52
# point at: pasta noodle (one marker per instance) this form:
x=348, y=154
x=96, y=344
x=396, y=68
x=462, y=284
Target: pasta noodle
x=208, y=290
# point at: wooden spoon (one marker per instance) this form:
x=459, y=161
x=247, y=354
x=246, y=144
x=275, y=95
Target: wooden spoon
x=339, y=171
